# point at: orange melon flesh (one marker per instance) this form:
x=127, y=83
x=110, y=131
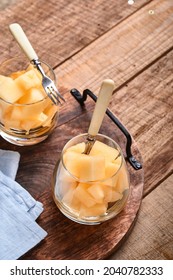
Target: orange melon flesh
x=96, y=210
x=16, y=74
x=123, y=180
x=99, y=169
x=85, y=167
x=83, y=196
x=108, y=152
x=24, y=87
x=9, y=90
x=28, y=80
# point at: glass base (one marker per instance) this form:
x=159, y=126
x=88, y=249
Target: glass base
x=23, y=141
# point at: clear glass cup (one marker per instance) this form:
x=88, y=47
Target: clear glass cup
x=27, y=120
x=90, y=189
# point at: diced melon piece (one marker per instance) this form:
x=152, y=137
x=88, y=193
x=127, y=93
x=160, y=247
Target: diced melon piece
x=32, y=96
x=78, y=148
x=33, y=121
x=111, y=169
x=3, y=78
x=123, y=180
x=12, y=124
x=84, y=197
x=103, y=193
x=16, y=113
x=64, y=181
x=97, y=192
x=111, y=195
x=85, y=167
x=71, y=200
x=32, y=67
x=9, y=90
x=28, y=80
x=15, y=75
x=50, y=114
x=108, y=152
x=96, y=210
x=33, y=110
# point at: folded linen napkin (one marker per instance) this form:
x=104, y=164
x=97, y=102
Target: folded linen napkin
x=19, y=231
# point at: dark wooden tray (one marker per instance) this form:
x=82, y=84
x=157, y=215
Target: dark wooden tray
x=67, y=239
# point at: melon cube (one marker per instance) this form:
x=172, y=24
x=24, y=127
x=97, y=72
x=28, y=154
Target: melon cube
x=32, y=111
x=15, y=75
x=85, y=167
x=83, y=196
x=97, y=192
x=108, y=152
x=33, y=121
x=111, y=169
x=32, y=96
x=96, y=210
x=9, y=90
x=50, y=114
x=28, y=80
x=64, y=182
x=12, y=124
x=103, y=193
x=123, y=179
x=78, y=148
x=71, y=200
x=16, y=113
x=111, y=195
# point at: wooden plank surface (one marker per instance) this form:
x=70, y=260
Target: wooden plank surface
x=63, y=27
x=152, y=236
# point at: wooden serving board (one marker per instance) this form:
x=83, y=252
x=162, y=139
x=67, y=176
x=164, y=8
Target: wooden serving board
x=67, y=239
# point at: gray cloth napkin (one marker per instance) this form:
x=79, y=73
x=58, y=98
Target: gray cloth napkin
x=19, y=231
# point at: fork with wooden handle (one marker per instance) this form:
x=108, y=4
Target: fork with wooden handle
x=103, y=99
x=27, y=48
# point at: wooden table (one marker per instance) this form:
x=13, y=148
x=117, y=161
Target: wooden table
x=86, y=42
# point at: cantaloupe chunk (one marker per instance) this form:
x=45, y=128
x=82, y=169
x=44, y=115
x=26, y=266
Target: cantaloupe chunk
x=108, y=152
x=15, y=75
x=85, y=167
x=9, y=90
x=103, y=193
x=111, y=169
x=83, y=196
x=71, y=200
x=50, y=111
x=97, y=192
x=110, y=195
x=32, y=96
x=96, y=210
x=78, y=148
x=64, y=181
x=123, y=181
x=28, y=80
x=33, y=121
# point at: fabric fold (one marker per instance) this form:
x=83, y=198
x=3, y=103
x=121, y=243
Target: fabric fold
x=19, y=232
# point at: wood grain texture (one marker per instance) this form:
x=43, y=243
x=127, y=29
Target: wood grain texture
x=153, y=233
x=116, y=55
x=57, y=30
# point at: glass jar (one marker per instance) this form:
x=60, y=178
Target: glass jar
x=90, y=189
x=27, y=115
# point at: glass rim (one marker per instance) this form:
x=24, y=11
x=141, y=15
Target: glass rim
x=27, y=63
x=94, y=181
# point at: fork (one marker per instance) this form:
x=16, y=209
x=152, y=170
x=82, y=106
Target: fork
x=27, y=48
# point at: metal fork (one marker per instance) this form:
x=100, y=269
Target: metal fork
x=26, y=46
